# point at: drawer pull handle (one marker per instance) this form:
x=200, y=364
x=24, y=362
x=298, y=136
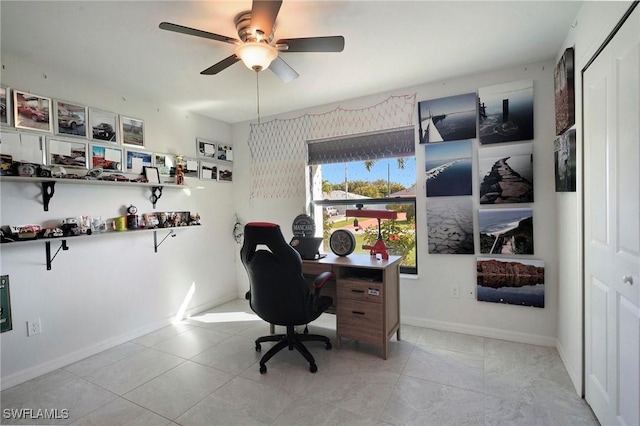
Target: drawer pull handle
x=357, y=291
x=357, y=312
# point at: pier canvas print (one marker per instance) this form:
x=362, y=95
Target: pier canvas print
x=449, y=168
x=563, y=83
x=448, y=119
x=450, y=223
x=510, y=281
x=506, y=174
x=565, y=160
x=505, y=112
x=506, y=231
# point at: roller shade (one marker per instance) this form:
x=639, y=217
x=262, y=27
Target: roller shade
x=398, y=142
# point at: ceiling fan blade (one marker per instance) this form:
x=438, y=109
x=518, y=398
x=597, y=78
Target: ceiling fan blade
x=312, y=44
x=263, y=15
x=283, y=70
x=198, y=33
x=222, y=65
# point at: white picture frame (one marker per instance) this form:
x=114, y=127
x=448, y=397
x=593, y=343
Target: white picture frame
x=224, y=153
x=136, y=160
x=22, y=146
x=206, y=149
x=208, y=170
x=132, y=131
x=67, y=153
x=6, y=107
x=32, y=112
x=108, y=157
x=166, y=163
x=103, y=126
x=70, y=119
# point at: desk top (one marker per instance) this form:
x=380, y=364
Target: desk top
x=356, y=260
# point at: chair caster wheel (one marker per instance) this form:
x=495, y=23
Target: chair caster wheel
x=263, y=368
x=258, y=347
x=313, y=368
x=328, y=345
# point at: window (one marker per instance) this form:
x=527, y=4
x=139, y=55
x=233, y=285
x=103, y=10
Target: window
x=377, y=170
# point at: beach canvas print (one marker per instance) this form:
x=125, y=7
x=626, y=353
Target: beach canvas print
x=506, y=174
x=449, y=168
x=506, y=231
x=565, y=161
x=450, y=223
x=510, y=281
x=448, y=119
x=505, y=112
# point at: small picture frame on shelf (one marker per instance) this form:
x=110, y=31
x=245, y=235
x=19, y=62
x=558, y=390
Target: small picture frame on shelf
x=5, y=107
x=104, y=125
x=225, y=153
x=23, y=147
x=205, y=148
x=136, y=161
x=70, y=119
x=208, y=170
x=152, y=174
x=32, y=112
x=132, y=131
x=107, y=157
x=190, y=167
x=166, y=164
x=67, y=153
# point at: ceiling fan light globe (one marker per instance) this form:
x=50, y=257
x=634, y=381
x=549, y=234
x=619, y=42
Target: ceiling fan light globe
x=256, y=56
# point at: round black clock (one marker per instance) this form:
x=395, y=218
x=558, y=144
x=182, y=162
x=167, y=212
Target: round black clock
x=342, y=242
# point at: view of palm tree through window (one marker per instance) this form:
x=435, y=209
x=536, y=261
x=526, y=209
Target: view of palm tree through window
x=373, y=184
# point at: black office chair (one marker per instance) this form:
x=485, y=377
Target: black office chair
x=279, y=293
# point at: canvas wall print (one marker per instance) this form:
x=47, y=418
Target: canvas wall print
x=108, y=158
x=67, y=153
x=506, y=231
x=208, y=170
x=448, y=119
x=510, y=281
x=450, y=225
x=506, y=174
x=132, y=131
x=104, y=125
x=70, y=119
x=224, y=153
x=563, y=83
x=31, y=112
x=505, y=112
x=205, y=148
x=5, y=106
x=136, y=161
x=565, y=161
x=449, y=168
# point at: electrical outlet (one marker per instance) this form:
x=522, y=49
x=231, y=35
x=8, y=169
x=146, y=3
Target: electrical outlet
x=34, y=327
x=455, y=291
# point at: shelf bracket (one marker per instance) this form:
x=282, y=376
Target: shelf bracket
x=157, y=244
x=63, y=246
x=48, y=188
x=156, y=193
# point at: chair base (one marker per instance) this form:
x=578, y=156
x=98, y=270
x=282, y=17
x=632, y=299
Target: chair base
x=291, y=340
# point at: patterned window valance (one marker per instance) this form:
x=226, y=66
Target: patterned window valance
x=399, y=142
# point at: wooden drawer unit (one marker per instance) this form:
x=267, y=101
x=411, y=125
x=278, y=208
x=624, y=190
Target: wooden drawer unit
x=361, y=290
x=313, y=268
x=360, y=320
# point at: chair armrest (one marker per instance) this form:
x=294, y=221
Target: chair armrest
x=320, y=280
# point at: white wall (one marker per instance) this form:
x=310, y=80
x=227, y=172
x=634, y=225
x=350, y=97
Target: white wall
x=593, y=24
x=427, y=300
x=109, y=289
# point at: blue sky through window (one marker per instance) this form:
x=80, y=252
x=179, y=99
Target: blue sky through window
x=335, y=173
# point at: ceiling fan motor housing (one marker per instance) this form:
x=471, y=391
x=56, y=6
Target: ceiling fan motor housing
x=245, y=32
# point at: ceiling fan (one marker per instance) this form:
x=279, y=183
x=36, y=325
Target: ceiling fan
x=255, y=47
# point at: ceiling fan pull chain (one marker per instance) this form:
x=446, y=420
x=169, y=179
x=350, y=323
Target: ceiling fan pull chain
x=258, y=94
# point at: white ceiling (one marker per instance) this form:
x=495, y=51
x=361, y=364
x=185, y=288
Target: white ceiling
x=389, y=45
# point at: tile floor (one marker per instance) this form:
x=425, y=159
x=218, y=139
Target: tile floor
x=205, y=372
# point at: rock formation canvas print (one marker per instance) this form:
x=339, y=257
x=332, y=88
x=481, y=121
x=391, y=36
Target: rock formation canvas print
x=563, y=83
x=565, y=161
x=448, y=119
x=505, y=112
x=450, y=223
x=506, y=231
x=510, y=281
x=506, y=174
x=449, y=168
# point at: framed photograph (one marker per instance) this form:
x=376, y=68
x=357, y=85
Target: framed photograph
x=22, y=146
x=505, y=112
x=132, y=130
x=70, y=119
x=563, y=83
x=166, y=164
x=447, y=235
x=449, y=168
x=152, y=174
x=5, y=107
x=67, y=153
x=225, y=174
x=31, y=111
x=510, y=281
x=506, y=231
x=190, y=167
x=208, y=170
x=107, y=157
x=224, y=153
x=506, y=174
x=104, y=125
x=205, y=148
x=448, y=119
x=136, y=161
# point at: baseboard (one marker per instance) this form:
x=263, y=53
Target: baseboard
x=494, y=333
x=67, y=359
x=576, y=378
